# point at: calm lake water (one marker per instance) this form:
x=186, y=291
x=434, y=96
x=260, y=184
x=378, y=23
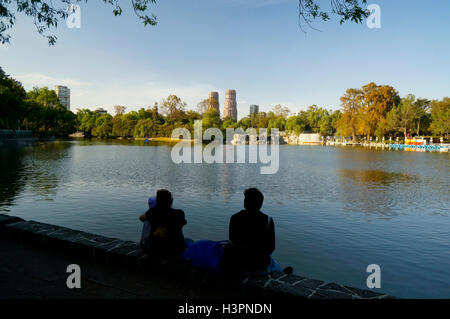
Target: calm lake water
x=336, y=210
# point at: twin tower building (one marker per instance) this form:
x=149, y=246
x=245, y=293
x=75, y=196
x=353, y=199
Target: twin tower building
x=230, y=107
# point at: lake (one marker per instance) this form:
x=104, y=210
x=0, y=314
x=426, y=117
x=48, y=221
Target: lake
x=336, y=210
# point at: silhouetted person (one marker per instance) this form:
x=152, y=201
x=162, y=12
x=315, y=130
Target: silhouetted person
x=166, y=236
x=252, y=238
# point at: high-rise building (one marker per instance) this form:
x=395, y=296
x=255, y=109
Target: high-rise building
x=214, y=100
x=230, y=106
x=63, y=93
x=254, y=109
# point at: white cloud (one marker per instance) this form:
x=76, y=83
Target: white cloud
x=138, y=95
x=35, y=79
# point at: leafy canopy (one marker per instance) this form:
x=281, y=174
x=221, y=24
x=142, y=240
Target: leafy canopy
x=47, y=14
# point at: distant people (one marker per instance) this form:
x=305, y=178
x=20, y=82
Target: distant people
x=166, y=235
x=251, y=238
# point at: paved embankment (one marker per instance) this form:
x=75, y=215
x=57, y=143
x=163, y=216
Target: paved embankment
x=35, y=257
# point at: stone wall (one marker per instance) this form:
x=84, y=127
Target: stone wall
x=128, y=254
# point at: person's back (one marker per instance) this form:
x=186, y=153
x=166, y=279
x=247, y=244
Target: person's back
x=166, y=237
x=251, y=235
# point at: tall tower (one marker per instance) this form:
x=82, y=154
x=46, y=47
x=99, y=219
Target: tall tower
x=63, y=93
x=214, y=100
x=230, y=107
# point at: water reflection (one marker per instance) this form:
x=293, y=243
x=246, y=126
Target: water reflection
x=336, y=210
x=36, y=168
x=373, y=179
x=12, y=179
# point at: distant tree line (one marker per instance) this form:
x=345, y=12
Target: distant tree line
x=377, y=110
x=373, y=110
x=38, y=110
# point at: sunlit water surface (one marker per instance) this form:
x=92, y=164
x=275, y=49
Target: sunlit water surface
x=336, y=210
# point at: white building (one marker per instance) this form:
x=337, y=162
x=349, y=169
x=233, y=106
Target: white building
x=310, y=138
x=63, y=93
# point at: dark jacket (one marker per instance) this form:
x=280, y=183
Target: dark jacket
x=252, y=237
x=170, y=222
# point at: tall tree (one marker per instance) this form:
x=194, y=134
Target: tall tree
x=119, y=109
x=44, y=97
x=440, y=116
x=421, y=110
x=173, y=108
x=206, y=104
x=377, y=101
x=279, y=110
x=402, y=117
x=12, y=101
x=351, y=106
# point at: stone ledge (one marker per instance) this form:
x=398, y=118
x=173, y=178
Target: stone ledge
x=6, y=219
x=129, y=254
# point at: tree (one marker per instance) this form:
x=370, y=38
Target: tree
x=440, y=116
x=48, y=14
x=145, y=128
x=278, y=122
x=119, y=109
x=45, y=115
x=403, y=116
x=211, y=118
x=86, y=121
x=295, y=124
x=191, y=116
x=203, y=106
x=352, y=10
x=206, y=104
x=173, y=108
x=279, y=110
x=12, y=104
x=103, y=126
x=421, y=108
x=377, y=101
x=44, y=97
x=351, y=105
x=229, y=123
x=327, y=123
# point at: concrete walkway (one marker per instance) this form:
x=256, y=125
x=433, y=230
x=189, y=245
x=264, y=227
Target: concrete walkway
x=27, y=271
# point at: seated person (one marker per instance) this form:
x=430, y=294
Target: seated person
x=252, y=238
x=166, y=235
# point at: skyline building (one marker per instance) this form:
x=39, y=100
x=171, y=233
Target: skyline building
x=63, y=94
x=230, y=105
x=213, y=98
x=254, y=109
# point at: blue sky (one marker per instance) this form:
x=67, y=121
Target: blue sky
x=254, y=47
